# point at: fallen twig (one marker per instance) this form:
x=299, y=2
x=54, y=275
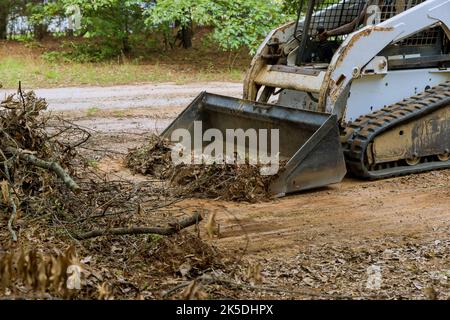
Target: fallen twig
x=12, y=218
x=49, y=165
x=172, y=229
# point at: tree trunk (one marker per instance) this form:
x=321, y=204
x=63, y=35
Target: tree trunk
x=40, y=31
x=186, y=36
x=4, y=11
x=126, y=47
x=3, y=26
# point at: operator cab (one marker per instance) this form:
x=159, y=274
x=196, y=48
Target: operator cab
x=327, y=24
x=295, y=67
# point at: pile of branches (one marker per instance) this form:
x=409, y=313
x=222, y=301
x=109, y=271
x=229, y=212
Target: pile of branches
x=52, y=196
x=153, y=158
x=233, y=182
x=34, y=164
x=43, y=173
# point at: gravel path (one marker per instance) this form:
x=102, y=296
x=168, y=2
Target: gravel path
x=130, y=96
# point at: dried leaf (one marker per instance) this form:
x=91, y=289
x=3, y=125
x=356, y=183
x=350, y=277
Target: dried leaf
x=184, y=269
x=194, y=291
x=5, y=192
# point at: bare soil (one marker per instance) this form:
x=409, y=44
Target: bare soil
x=316, y=244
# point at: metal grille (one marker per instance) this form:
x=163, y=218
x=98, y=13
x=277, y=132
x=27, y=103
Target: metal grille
x=331, y=14
x=428, y=37
x=390, y=8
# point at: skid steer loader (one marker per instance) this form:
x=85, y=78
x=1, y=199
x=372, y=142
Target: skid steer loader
x=358, y=86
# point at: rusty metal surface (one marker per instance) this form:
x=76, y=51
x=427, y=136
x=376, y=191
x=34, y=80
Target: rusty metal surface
x=364, y=33
x=296, y=70
x=334, y=85
x=281, y=35
x=291, y=80
x=361, y=46
x=424, y=137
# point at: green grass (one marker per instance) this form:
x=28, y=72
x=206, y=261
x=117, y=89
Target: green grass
x=92, y=111
x=35, y=72
x=93, y=163
x=154, y=238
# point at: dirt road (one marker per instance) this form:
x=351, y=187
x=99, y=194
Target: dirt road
x=321, y=244
x=124, y=97
x=326, y=239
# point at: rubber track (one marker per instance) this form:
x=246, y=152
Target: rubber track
x=365, y=129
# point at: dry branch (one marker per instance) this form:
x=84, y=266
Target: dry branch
x=172, y=229
x=12, y=218
x=49, y=165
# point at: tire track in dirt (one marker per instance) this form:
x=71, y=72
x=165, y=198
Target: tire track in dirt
x=353, y=211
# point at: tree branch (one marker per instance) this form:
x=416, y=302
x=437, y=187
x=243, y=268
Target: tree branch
x=49, y=165
x=172, y=229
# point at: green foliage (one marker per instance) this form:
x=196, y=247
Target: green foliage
x=97, y=51
x=154, y=238
x=245, y=23
x=41, y=13
x=120, y=24
x=92, y=162
x=237, y=23
x=292, y=6
x=182, y=11
x=111, y=19
x=53, y=56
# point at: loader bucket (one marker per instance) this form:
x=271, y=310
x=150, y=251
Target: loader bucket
x=309, y=142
